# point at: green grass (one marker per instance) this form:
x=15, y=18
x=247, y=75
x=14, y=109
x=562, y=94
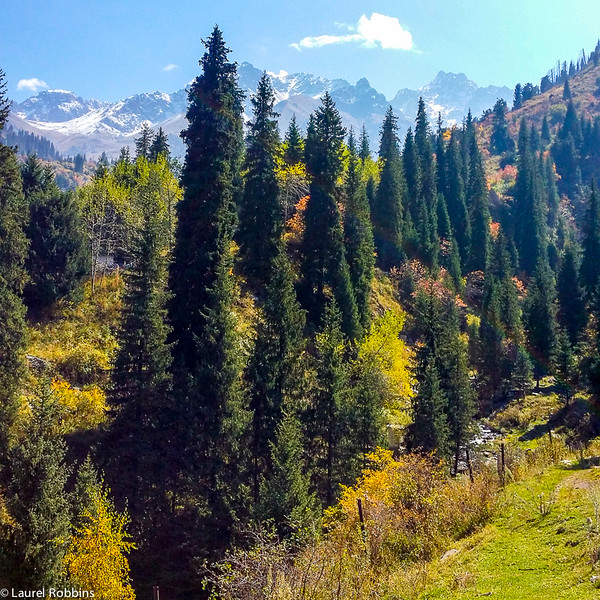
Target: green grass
x=523, y=554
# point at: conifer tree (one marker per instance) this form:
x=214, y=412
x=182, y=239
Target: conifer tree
x=545, y=133
x=590, y=263
x=454, y=379
x=275, y=369
x=261, y=218
x=324, y=267
x=159, y=146
x=326, y=426
x=205, y=356
x=412, y=175
x=13, y=251
x=539, y=316
x=358, y=235
x=364, y=150
x=500, y=140
x=455, y=198
x=440, y=152
x=37, y=500
x=571, y=306
x=478, y=201
x=294, y=144
x=491, y=341
x=387, y=209
x=58, y=256
x=429, y=430
x=144, y=142
x=567, y=91
x=141, y=377
x=5, y=103
x=529, y=215
x=285, y=493
x=428, y=176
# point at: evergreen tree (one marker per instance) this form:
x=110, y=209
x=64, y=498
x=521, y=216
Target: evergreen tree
x=571, y=306
x=455, y=381
x=58, y=257
x=141, y=377
x=294, y=144
x=412, y=175
x=429, y=430
x=364, y=151
x=13, y=251
x=285, y=493
x=326, y=427
x=426, y=160
x=539, y=316
x=358, y=235
x=567, y=91
x=590, y=263
x=261, y=218
x=478, y=201
x=500, y=140
x=37, y=501
x=529, y=215
x=5, y=103
x=144, y=142
x=386, y=211
x=275, y=370
x=545, y=134
x=324, y=267
x=517, y=97
x=159, y=146
x=206, y=362
x=455, y=198
x=491, y=341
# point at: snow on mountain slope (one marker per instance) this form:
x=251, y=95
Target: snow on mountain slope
x=91, y=126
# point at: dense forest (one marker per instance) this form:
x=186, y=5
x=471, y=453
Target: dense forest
x=208, y=371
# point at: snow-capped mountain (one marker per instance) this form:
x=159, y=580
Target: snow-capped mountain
x=75, y=125
x=452, y=95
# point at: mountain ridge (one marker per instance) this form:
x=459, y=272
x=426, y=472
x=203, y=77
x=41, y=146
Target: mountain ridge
x=77, y=125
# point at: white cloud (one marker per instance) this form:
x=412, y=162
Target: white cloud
x=370, y=32
x=33, y=85
x=170, y=67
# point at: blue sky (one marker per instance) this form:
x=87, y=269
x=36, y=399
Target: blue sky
x=111, y=49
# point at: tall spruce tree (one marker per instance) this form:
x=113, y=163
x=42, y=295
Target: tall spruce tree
x=206, y=362
x=13, y=252
x=590, y=263
x=261, y=218
x=144, y=142
x=275, y=370
x=455, y=198
x=479, y=205
x=529, y=211
x=539, y=316
x=58, y=257
x=571, y=305
x=285, y=493
x=358, y=234
x=294, y=144
x=36, y=498
x=324, y=268
x=159, y=145
x=326, y=426
x=386, y=211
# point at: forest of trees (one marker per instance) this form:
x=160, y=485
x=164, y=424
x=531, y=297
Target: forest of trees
x=255, y=365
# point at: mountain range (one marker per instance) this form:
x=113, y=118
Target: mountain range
x=76, y=125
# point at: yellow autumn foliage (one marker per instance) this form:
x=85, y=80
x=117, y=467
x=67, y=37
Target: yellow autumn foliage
x=96, y=558
x=384, y=350
x=81, y=408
